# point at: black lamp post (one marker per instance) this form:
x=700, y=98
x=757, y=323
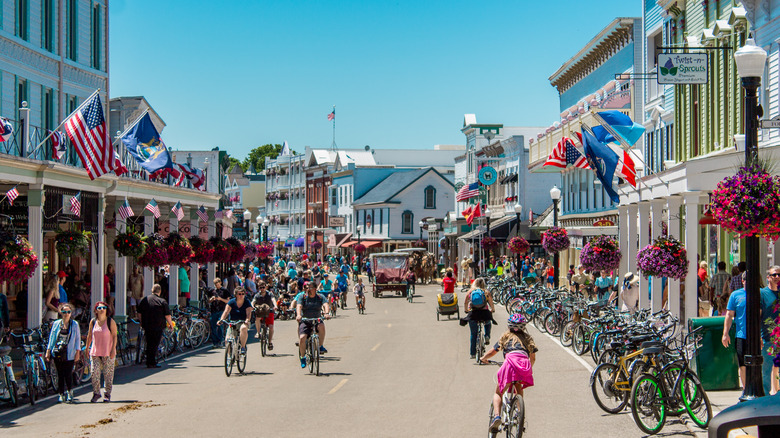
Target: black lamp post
x=518, y=211
x=750, y=60
x=555, y=194
x=266, y=222
x=358, y=252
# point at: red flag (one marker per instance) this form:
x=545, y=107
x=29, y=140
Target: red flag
x=626, y=169
x=475, y=212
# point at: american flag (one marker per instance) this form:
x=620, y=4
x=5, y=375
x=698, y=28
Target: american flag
x=564, y=154
x=178, y=211
x=153, y=208
x=75, y=204
x=125, y=211
x=228, y=213
x=11, y=195
x=203, y=214
x=219, y=214
x=6, y=129
x=332, y=114
x=57, y=145
x=467, y=191
x=87, y=130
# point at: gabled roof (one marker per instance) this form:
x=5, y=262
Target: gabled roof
x=394, y=184
x=318, y=157
x=360, y=158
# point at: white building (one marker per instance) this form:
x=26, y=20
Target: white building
x=286, y=199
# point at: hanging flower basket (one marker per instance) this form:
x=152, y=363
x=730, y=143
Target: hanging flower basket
x=156, y=254
x=316, y=244
x=601, y=253
x=518, y=245
x=419, y=243
x=774, y=334
x=179, y=249
x=73, y=243
x=236, y=250
x=555, y=239
x=202, y=250
x=250, y=251
x=665, y=257
x=265, y=249
x=360, y=248
x=130, y=244
x=222, y=250
x=17, y=259
x=488, y=243
x=748, y=203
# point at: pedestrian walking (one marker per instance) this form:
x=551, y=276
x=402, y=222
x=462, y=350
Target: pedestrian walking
x=736, y=311
x=720, y=289
x=155, y=315
x=63, y=346
x=217, y=301
x=51, y=299
x=136, y=286
x=769, y=312
x=101, y=345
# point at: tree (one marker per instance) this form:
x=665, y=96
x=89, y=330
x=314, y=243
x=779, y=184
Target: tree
x=228, y=162
x=257, y=156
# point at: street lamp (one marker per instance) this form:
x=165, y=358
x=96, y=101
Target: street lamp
x=247, y=220
x=266, y=222
x=358, y=252
x=750, y=60
x=555, y=194
x=421, y=224
x=487, y=216
x=206, y=174
x=518, y=210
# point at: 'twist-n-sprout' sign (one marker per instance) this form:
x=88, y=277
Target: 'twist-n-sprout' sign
x=682, y=68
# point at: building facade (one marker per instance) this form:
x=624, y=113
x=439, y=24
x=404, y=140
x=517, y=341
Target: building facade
x=285, y=200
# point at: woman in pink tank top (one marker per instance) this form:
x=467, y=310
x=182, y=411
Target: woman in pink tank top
x=101, y=344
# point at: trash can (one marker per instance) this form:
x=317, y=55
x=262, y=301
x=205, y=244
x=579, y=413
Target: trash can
x=440, y=270
x=716, y=366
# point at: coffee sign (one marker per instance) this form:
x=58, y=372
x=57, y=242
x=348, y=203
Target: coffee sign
x=603, y=223
x=682, y=68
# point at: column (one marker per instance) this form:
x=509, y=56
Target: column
x=644, y=240
x=656, y=211
x=211, y=267
x=120, y=273
x=194, y=270
x=148, y=272
x=623, y=243
x=35, y=200
x=630, y=255
x=691, y=299
x=673, y=207
x=173, y=270
x=98, y=254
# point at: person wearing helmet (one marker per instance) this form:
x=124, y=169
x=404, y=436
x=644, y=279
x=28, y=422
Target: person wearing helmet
x=519, y=356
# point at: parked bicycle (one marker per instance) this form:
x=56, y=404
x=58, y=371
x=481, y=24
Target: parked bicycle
x=9, y=388
x=38, y=376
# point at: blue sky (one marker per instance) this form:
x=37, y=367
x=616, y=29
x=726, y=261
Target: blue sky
x=243, y=73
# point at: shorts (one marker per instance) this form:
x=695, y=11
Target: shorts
x=269, y=320
x=134, y=302
x=551, y=279
x=306, y=328
x=739, y=345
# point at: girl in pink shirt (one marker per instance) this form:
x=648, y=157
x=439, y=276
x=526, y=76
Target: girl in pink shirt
x=101, y=344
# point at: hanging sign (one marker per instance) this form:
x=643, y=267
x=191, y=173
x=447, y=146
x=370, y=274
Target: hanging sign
x=682, y=68
x=603, y=223
x=488, y=175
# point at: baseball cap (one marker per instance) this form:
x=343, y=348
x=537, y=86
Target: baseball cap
x=62, y=274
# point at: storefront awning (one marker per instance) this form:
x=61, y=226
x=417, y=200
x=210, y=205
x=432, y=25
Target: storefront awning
x=499, y=229
x=299, y=242
x=509, y=178
x=338, y=239
x=372, y=243
x=349, y=244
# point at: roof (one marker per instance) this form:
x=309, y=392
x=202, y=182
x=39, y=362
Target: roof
x=360, y=158
x=396, y=182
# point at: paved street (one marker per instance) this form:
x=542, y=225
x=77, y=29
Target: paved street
x=393, y=372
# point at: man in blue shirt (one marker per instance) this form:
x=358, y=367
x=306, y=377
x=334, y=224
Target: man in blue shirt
x=342, y=284
x=63, y=295
x=769, y=296
x=736, y=310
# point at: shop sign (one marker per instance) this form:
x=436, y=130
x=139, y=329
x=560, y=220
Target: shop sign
x=682, y=68
x=239, y=233
x=488, y=175
x=603, y=223
x=335, y=221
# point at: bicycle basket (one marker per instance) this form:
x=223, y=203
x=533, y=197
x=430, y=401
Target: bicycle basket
x=692, y=348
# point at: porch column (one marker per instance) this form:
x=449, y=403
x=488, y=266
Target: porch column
x=691, y=299
x=148, y=272
x=120, y=272
x=673, y=207
x=644, y=240
x=173, y=270
x=623, y=239
x=35, y=201
x=194, y=270
x=98, y=255
x=211, y=267
x=656, y=211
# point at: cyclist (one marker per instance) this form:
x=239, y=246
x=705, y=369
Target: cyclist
x=264, y=298
x=239, y=308
x=344, y=267
x=519, y=356
x=478, y=306
x=309, y=305
x=359, y=291
x=342, y=284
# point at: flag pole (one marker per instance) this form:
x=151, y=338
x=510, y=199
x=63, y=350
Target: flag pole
x=63, y=121
x=333, y=145
x=119, y=137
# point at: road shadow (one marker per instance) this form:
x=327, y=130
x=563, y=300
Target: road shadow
x=334, y=374
x=330, y=359
x=279, y=355
x=253, y=373
x=165, y=383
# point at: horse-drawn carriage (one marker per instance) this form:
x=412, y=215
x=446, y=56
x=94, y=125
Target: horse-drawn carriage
x=390, y=270
x=421, y=262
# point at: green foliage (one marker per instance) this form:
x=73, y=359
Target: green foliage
x=258, y=154
x=229, y=162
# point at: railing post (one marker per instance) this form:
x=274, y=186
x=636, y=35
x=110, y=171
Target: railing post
x=24, y=127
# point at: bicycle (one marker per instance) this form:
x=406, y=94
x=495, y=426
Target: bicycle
x=410, y=293
x=125, y=350
x=9, y=388
x=140, y=351
x=480, y=341
x=37, y=376
x=263, y=335
x=361, y=305
x=233, y=354
x=313, y=346
x=333, y=299
x=512, y=414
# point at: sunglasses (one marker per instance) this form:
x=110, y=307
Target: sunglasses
x=65, y=312
x=774, y=275
x=240, y=295
x=101, y=307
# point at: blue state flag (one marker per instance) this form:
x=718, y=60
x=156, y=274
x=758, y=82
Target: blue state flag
x=144, y=144
x=620, y=124
x=603, y=160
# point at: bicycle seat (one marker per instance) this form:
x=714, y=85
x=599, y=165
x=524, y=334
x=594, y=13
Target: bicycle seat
x=640, y=338
x=653, y=350
x=651, y=344
x=4, y=350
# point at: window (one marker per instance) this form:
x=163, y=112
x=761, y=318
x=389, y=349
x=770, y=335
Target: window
x=72, y=29
x=430, y=197
x=407, y=218
x=334, y=197
x=96, y=34
x=47, y=25
x=21, y=93
x=381, y=219
x=48, y=109
x=373, y=215
x=22, y=19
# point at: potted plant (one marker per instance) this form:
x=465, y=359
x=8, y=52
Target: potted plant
x=17, y=258
x=316, y=244
x=555, y=239
x=202, y=250
x=156, y=254
x=236, y=250
x=748, y=203
x=665, y=257
x=601, y=253
x=265, y=249
x=179, y=249
x=130, y=243
x=222, y=250
x=250, y=251
x=73, y=242
x=518, y=245
x=488, y=243
x=360, y=248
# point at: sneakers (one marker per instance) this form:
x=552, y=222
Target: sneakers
x=106, y=398
x=243, y=350
x=70, y=396
x=303, y=362
x=473, y=356
x=495, y=424
x=95, y=398
x=61, y=398
x=487, y=340
x=270, y=345
x=323, y=350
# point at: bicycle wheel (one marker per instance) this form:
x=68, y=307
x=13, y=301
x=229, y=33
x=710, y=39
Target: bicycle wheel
x=263, y=340
x=609, y=385
x=567, y=333
x=611, y=356
x=228, y=358
x=551, y=324
x=491, y=434
x=310, y=351
x=42, y=383
x=539, y=319
x=668, y=376
x=696, y=402
x=83, y=372
x=579, y=340
x=597, y=346
x=316, y=360
x=241, y=363
x=647, y=404
x=480, y=344
x=515, y=423
x=140, y=354
x=30, y=384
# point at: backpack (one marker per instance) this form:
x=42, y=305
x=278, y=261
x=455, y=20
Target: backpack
x=478, y=298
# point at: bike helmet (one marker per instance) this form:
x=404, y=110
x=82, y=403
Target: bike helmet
x=516, y=322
